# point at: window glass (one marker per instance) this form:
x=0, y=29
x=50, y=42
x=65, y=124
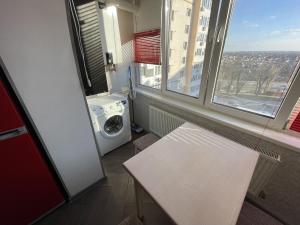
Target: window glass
x=150, y=75
x=187, y=34
x=261, y=52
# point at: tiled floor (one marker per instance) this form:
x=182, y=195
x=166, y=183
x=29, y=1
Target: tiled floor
x=109, y=201
x=112, y=200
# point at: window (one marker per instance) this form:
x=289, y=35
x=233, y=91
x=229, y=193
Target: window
x=248, y=66
x=150, y=75
x=198, y=51
x=148, y=57
x=259, y=58
x=183, y=60
x=204, y=21
x=206, y=4
x=201, y=37
x=184, y=46
x=188, y=12
x=186, y=29
x=158, y=70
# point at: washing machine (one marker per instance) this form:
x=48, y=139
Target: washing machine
x=111, y=121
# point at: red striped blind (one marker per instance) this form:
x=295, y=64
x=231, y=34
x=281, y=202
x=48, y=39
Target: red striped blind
x=296, y=123
x=147, y=47
x=294, y=118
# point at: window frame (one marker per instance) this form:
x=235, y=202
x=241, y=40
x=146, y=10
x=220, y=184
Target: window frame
x=207, y=53
x=221, y=11
x=290, y=98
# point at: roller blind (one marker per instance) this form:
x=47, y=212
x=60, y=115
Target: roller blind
x=147, y=47
x=92, y=47
x=295, y=118
x=296, y=123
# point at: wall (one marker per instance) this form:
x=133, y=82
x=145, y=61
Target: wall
x=117, y=30
x=148, y=15
x=282, y=192
x=125, y=19
x=36, y=49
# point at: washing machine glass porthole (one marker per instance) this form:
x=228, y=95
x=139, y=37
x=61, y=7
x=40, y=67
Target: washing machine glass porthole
x=113, y=125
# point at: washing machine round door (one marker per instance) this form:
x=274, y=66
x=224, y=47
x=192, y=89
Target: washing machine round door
x=113, y=125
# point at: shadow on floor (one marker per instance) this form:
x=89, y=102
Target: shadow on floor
x=111, y=200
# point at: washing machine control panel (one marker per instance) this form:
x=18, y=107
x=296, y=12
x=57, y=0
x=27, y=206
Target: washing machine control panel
x=114, y=107
x=97, y=110
x=106, y=109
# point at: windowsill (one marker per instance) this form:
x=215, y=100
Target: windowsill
x=267, y=134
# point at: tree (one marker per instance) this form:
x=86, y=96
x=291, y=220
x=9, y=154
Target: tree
x=273, y=72
x=240, y=83
x=265, y=73
x=232, y=72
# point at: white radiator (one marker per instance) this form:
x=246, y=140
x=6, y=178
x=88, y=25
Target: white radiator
x=265, y=168
x=162, y=123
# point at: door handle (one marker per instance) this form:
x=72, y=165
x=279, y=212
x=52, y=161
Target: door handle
x=12, y=133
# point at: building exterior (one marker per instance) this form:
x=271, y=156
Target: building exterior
x=187, y=42
x=182, y=44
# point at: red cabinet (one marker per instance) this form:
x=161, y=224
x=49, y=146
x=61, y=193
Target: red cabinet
x=27, y=188
x=9, y=116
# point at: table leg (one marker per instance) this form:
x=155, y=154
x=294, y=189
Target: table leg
x=139, y=200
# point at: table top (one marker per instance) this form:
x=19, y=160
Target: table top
x=196, y=176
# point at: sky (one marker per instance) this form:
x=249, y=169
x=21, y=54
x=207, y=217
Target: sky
x=264, y=25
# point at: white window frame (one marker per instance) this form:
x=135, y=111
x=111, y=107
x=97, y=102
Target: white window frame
x=165, y=60
x=216, y=37
x=288, y=102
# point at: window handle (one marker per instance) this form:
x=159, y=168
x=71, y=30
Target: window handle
x=221, y=33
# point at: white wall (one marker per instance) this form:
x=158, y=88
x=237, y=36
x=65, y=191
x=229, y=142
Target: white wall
x=36, y=49
x=117, y=25
x=112, y=32
x=148, y=15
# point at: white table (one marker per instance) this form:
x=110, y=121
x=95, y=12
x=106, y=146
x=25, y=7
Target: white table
x=196, y=176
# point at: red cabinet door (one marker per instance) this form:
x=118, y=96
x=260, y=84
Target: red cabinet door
x=27, y=188
x=9, y=116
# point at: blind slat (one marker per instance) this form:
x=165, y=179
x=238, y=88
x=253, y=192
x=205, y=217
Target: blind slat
x=147, y=47
x=295, y=118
